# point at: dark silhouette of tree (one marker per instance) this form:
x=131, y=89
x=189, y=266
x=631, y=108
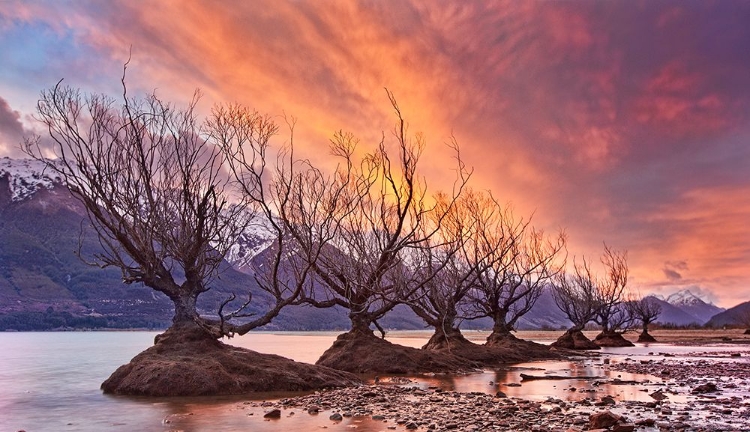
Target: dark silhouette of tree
x=611, y=314
x=388, y=213
x=515, y=263
x=646, y=310
x=152, y=187
x=448, y=262
x=583, y=296
x=295, y=200
x=575, y=293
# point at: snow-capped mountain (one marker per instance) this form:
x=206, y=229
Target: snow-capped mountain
x=684, y=297
x=26, y=176
x=43, y=282
x=256, y=238
x=693, y=305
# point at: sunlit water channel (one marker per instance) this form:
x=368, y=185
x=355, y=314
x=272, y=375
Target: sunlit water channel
x=50, y=382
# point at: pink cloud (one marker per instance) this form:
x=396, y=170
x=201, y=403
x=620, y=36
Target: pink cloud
x=679, y=102
x=12, y=130
x=606, y=118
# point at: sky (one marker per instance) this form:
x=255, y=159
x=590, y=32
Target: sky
x=625, y=122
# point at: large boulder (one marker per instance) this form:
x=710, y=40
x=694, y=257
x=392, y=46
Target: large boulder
x=603, y=420
x=185, y=363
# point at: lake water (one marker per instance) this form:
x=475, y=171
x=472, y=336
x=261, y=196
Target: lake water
x=50, y=382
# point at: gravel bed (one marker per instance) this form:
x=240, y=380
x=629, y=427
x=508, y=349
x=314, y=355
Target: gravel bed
x=410, y=408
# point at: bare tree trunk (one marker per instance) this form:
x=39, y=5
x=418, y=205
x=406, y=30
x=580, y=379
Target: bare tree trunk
x=187, y=325
x=445, y=337
x=447, y=334
x=185, y=311
x=360, y=323
x=501, y=330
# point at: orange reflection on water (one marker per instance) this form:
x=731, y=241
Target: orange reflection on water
x=598, y=382
x=238, y=414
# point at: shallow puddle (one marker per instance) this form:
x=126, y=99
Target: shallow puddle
x=589, y=379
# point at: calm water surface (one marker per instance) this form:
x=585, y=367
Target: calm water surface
x=50, y=382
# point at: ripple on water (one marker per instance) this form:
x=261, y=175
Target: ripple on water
x=50, y=382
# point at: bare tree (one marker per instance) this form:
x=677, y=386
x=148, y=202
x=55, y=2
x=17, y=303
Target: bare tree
x=583, y=296
x=611, y=313
x=299, y=204
x=368, y=269
x=448, y=257
x=515, y=263
x=646, y=310
x=576, y=295
x=152, y=188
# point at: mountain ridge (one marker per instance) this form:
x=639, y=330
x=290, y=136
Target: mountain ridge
x=738, y=315
x=693, y=305
x=42, y=279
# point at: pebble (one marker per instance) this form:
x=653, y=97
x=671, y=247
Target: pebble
x=402, y=406
x=415, y=409
x=273, y=414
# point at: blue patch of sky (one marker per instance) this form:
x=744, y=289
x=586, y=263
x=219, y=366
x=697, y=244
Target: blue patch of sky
x=31, y=50
x=35, y=56
x=30, y=54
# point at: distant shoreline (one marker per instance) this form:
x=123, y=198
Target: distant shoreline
x=666, y=336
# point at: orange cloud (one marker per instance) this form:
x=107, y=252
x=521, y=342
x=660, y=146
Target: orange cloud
x=707, y=229
x=608, y=119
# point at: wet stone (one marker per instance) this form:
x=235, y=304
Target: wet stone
x=432, y=409
x=273, y=414
x=603, y=420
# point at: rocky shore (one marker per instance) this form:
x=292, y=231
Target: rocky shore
x=706, y=390
x=715, y=385
x=397, y=407
x=692, y=368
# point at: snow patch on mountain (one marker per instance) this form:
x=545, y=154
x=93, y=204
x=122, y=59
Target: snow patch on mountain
x=685, y=298
x=694, y=304
x=26, y=176
x=257, y=237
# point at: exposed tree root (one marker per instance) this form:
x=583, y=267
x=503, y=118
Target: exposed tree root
x=191, y=363
x=575, y=340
